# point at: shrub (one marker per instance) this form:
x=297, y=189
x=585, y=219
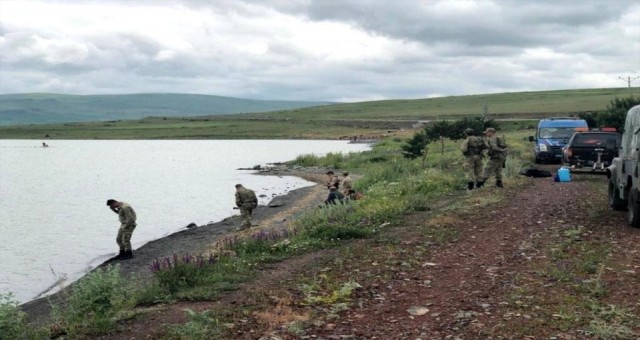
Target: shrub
x=13, y=321
x=94, y=302
x=333, y=232
x=187, y=271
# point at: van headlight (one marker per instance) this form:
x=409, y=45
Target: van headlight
x=543, y=147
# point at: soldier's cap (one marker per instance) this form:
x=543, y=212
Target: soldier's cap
x=468, y=131
x=345, y=173
x=489, y=130
x=329, y=172
x=111, y=201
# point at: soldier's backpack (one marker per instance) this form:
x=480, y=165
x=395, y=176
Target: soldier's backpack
x=534, y=172
x=475, y=146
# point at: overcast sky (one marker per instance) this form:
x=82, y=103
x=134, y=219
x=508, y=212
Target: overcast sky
x=317, y=50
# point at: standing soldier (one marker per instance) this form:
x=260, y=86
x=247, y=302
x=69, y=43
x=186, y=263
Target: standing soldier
x=472, y=148
x=497, y=152
x=246, y=200
x=334, y=181
x=127, y=217
x=347, y=183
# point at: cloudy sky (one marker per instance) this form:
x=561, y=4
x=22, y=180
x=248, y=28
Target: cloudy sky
x=317, y=50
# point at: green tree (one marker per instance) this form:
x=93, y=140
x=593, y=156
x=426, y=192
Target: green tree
x=454, y=130
x=613, y=116
x=616, y=112
x=416, y=146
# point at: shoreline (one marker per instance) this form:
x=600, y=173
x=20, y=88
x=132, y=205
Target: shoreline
x=199, y=239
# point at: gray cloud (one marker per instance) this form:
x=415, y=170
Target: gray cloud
x=317, y=50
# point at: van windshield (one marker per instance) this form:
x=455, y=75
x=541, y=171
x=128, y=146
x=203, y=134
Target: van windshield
x=559, y=132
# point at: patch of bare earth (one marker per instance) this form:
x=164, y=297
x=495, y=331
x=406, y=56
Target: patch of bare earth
x=544, y=260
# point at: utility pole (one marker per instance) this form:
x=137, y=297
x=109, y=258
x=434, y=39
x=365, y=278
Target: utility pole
x=629, y=80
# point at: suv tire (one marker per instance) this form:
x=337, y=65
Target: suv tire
x=633, y=209
x=615, y=202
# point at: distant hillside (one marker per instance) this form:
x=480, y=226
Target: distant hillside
x=531, y=104
x=41, y=108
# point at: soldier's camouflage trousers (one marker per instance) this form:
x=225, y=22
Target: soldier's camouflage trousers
x=245, y=217
x=493, y=168
x=124, y=236
x=473, y=168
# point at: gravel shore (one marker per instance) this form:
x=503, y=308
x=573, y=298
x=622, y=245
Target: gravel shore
x=198, y=239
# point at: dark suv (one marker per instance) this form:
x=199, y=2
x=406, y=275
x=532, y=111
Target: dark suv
x=591, y=151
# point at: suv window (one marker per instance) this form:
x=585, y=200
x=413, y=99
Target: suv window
x=595, y=139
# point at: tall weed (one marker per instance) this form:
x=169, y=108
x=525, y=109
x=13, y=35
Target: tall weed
x=94, y=302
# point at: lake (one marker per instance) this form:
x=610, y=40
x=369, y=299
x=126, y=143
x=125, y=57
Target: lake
x=54, y=220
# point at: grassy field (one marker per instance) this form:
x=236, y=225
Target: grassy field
x=368, y=119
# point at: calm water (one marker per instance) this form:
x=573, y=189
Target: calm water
x=53, y=217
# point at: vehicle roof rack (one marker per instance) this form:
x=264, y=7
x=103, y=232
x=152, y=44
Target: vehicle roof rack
x=559, y=118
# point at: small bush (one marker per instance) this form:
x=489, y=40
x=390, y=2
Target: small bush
x=338, y=233
x=13, y=321
x=187, y=271
x=94, y=302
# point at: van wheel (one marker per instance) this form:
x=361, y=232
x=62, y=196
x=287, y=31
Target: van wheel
x=633, y=209
x=615, y=202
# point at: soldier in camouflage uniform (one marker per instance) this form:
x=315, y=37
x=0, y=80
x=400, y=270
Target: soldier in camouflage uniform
x=333, y=181
x=246, y=201
x=347, y=183
x=472, y=148
x=127, y=217
x=497, y=152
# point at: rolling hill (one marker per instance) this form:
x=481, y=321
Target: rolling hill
x=343, y=120
x=49, y=108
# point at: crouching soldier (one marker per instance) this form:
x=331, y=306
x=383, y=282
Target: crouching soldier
x=334, y=197
x=246, y=201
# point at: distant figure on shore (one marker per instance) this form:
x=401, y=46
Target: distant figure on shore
x=246, y=200
x=347, y=183
x=45, y=145
x=127, y=217
x=334, y=197
x=333, y=181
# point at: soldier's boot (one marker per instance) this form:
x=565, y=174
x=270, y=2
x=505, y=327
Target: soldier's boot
x=479, y=184
x=117, y=257
x=499, y=184
x=128, y=254
x=469, y=185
